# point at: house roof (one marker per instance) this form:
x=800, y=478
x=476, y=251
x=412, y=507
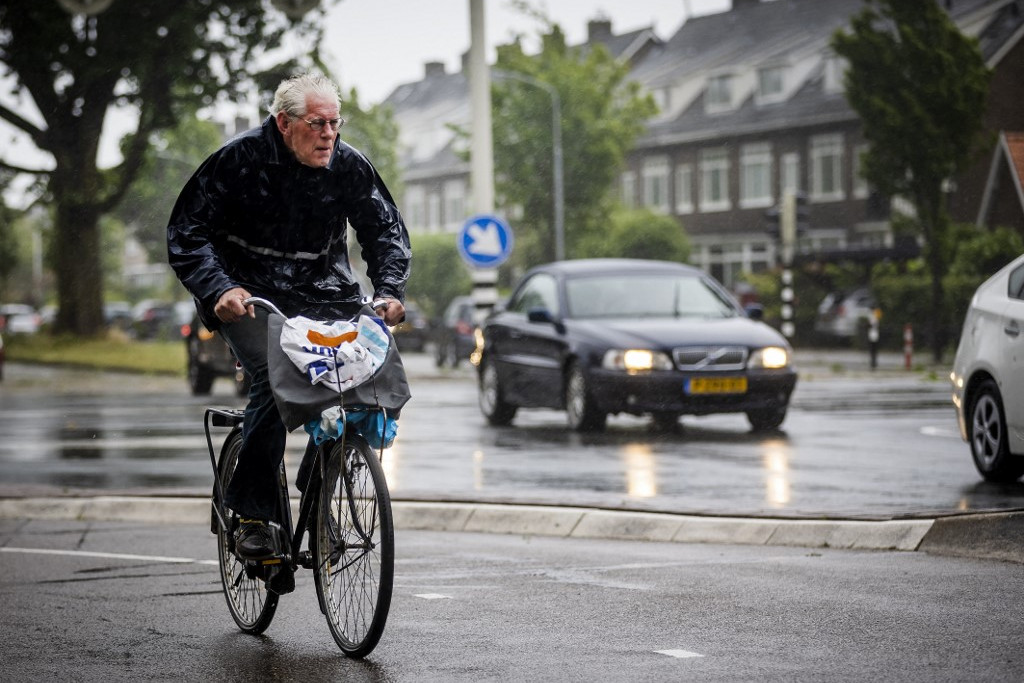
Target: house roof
x=1007, y=163
x=753, y=35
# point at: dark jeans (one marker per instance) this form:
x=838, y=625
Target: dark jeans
x=252, y=491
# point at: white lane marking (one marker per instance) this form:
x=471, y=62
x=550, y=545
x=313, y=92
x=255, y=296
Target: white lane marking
x=678, y=654
x=432, y=596
x=109, y=556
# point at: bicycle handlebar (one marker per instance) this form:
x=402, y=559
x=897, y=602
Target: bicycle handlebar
x=260, y=301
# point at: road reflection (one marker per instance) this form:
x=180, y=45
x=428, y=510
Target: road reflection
x=776, y=456
x=641, y=474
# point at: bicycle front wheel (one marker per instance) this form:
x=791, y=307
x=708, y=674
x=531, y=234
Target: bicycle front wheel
x=252, y=606
x=354, y=547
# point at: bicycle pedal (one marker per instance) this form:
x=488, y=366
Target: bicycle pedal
x=305, y=559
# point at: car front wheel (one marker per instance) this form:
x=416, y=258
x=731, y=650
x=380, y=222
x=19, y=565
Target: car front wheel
x=200, y=378
x=767, y=419
x=492, y=403
x=584, y=416
x=988, y=437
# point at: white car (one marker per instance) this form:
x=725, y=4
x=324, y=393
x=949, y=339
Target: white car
x=19, y=319
x=988, y=375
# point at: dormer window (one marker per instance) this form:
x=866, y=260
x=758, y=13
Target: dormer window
x=719, y=93
x=770, y=84
x=834, y=68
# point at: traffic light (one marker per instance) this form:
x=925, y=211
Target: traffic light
x=788, y=220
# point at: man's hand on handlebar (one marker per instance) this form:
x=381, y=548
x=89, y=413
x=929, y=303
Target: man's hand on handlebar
x=230, y=307
x=391, y=310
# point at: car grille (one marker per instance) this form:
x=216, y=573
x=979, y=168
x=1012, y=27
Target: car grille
x=710, y=357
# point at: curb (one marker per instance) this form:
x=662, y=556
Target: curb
x=528, y=520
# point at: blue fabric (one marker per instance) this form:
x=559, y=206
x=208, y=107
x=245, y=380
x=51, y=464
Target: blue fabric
x=371, y=425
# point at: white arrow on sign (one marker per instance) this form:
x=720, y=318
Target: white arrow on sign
x=485, y=239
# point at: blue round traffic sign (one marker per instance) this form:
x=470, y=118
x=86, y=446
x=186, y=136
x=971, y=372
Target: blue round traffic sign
x=485, y=241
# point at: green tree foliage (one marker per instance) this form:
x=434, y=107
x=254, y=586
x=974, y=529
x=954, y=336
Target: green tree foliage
x=919, y=86
x=438, y=273
x=174, y=155
x=160, y=59
x=602, y=115
x=638, y=233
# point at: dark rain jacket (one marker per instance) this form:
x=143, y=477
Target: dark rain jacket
x=252, y=216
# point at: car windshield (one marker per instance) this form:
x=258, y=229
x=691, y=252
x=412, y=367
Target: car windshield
x=645, y=296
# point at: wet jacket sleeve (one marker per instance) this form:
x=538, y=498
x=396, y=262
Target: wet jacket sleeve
x=382, y=235
x=191, y=249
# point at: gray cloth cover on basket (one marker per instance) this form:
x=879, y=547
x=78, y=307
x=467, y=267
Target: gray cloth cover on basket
x=299, y=401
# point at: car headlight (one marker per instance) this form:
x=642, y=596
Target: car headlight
x=636, y=360
x=770, y=357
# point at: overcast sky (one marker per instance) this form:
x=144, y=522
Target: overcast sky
x=376, y=45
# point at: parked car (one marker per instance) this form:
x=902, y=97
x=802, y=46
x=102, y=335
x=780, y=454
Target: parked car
x=19, y=319
x=844, y=314
x=209, y=357
x=603, y=336
x=154, y=319
x=3, y=354
x=988, y=375
x=413, y=333
x=454, y=340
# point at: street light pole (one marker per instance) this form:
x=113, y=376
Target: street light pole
x=556, y=143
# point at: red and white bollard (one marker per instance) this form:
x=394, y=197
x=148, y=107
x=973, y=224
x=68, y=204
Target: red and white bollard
x=908, y=345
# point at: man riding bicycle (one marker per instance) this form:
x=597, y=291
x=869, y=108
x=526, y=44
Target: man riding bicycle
x=266, y=215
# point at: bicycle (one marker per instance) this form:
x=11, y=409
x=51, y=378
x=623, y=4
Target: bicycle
x=351, y=548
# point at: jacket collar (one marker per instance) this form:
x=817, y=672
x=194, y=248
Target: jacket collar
x=278, y=152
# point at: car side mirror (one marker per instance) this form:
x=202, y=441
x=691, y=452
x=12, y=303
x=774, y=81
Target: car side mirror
x=540, y=315
x=754, y=311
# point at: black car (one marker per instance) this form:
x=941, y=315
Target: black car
x=605, y=336
x=455, y=341
x=412, y=333
x=209, y=357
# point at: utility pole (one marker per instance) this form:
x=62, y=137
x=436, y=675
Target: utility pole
x=481, y=171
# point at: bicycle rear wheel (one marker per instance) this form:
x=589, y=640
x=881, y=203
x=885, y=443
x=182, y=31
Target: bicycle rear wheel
x=353, y=547
x=252, y=606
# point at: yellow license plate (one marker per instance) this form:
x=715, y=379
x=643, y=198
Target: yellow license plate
x=716, y=385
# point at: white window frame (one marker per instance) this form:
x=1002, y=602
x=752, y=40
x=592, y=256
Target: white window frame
x=826, y=156
x=714, y=180
x=718, y=95
x=789, y=173
x=777, y=81
x=756, y=175
x=433, y=212
x=684, y=188
x=414, y=204
x=454, y=203
x=835, y=67
x=654, y=174
x=861, y=188
x=627, y=184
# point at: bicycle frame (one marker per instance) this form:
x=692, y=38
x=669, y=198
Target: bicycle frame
x=220, y=417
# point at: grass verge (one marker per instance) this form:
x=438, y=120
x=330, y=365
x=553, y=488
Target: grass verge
x=110, y=353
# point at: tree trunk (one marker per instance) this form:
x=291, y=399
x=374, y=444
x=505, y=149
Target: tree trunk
x=78, y=269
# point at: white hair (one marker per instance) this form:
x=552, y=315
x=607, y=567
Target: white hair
x=292, y=93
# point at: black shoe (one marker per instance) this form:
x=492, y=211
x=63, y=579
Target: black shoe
x=254, y=540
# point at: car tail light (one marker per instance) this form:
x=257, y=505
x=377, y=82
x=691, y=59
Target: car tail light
x=186, y=330
x=462, y=327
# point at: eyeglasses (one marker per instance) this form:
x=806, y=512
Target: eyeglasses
x=318, y=124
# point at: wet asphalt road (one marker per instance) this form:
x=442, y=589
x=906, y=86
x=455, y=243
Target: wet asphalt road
x=856, y=444
x=101, y=601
